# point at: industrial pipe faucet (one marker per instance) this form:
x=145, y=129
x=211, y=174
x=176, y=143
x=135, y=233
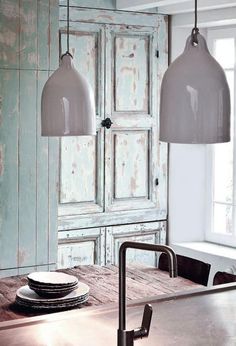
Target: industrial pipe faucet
x=124, y=337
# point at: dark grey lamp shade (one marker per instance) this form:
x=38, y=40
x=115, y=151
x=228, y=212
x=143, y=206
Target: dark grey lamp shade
x=195, y=98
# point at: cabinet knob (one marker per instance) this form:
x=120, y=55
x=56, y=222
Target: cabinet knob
x=107, y=123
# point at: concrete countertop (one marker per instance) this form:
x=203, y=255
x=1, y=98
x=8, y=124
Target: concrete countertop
x=199, y=317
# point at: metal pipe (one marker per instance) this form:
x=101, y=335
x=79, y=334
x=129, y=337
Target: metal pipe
x=122, y=277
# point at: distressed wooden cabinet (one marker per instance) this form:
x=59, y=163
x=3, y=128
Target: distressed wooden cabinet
x=119, y=176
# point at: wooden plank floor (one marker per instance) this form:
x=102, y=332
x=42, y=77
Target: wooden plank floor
x=142, y=282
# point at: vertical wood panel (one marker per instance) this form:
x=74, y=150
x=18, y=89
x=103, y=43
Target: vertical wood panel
x=27, y=169
x=28, y=164
x=53, y=199
x=42, y=187
x=43, y=28
x=53, y=154
x=53, y=39
x=162, y=64
x=9, y=33
x=28, y=34
x=9, y=112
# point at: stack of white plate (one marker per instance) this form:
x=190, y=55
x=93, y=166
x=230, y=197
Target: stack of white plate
x=52, y=291
x=52, y=284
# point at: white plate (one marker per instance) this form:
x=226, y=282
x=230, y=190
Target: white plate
x=50, y=303
x=52, y=307
x=53, y=290
x=28, y=295
x=52, y=278
x=52, y=287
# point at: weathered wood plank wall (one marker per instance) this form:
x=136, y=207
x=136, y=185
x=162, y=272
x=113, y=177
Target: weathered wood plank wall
x=28, y=162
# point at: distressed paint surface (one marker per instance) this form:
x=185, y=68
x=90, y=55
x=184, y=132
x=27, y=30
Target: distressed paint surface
x=144, y=232
x=108, y=4
x=9, y=33
x=27, y=168
x=126, y=85
x=69, y=255
x=28, y=162
x=84, y=47
x=85, y=246
x=130, y=164
x=82, y=158
x=138, y=156
x=44, y=28
x=100, y=16
x=131, y=72
x=162, y=152
x=9, y=80
x=107, y=218
x=78, y=179
x=42, y=192
x=28, y=34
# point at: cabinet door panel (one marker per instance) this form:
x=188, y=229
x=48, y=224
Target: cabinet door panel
x=78, y=180
x=132, y=142
x=81, y=247
x=73, y=254
x=86, y=48
x=81, y=158
x=131, y=72
x=151, y=233
x=130, y=164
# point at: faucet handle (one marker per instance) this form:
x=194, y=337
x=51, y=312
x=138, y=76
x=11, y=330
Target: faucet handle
x=143, y=331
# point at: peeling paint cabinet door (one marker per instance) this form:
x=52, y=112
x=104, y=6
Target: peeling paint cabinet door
x=82, y=158
x=151, y=233
x=118, y=177
x=131, y=143
x=84, y=246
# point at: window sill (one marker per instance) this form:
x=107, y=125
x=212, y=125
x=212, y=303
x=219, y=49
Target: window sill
x=208, y=248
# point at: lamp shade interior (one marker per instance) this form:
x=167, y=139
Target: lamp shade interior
x=67, y=104
x=195, y=98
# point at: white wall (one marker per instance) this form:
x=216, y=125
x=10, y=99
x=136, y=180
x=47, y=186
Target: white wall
x=186, y=175
x=187, y=199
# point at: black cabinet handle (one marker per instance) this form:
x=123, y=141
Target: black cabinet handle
x=107, y=123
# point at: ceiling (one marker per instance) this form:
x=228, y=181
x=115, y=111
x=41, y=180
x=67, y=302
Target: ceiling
x=212, y=13
x=174, y=6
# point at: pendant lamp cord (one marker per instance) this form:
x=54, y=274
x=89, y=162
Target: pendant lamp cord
x=195, y=30
x=68, y=31
x=68, y=23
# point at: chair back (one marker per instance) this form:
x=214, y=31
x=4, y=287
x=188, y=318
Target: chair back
x=189, y=268
x=223, y=278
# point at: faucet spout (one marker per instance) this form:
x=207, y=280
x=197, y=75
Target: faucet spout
x=124, y=337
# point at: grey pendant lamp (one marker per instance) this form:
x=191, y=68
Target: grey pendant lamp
x=67, y=104
x=195, y=97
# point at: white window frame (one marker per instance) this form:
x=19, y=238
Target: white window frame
x=229, y=240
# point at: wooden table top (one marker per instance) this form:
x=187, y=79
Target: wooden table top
x=142, y=282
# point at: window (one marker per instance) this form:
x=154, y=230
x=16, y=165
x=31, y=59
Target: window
x=221, y=158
